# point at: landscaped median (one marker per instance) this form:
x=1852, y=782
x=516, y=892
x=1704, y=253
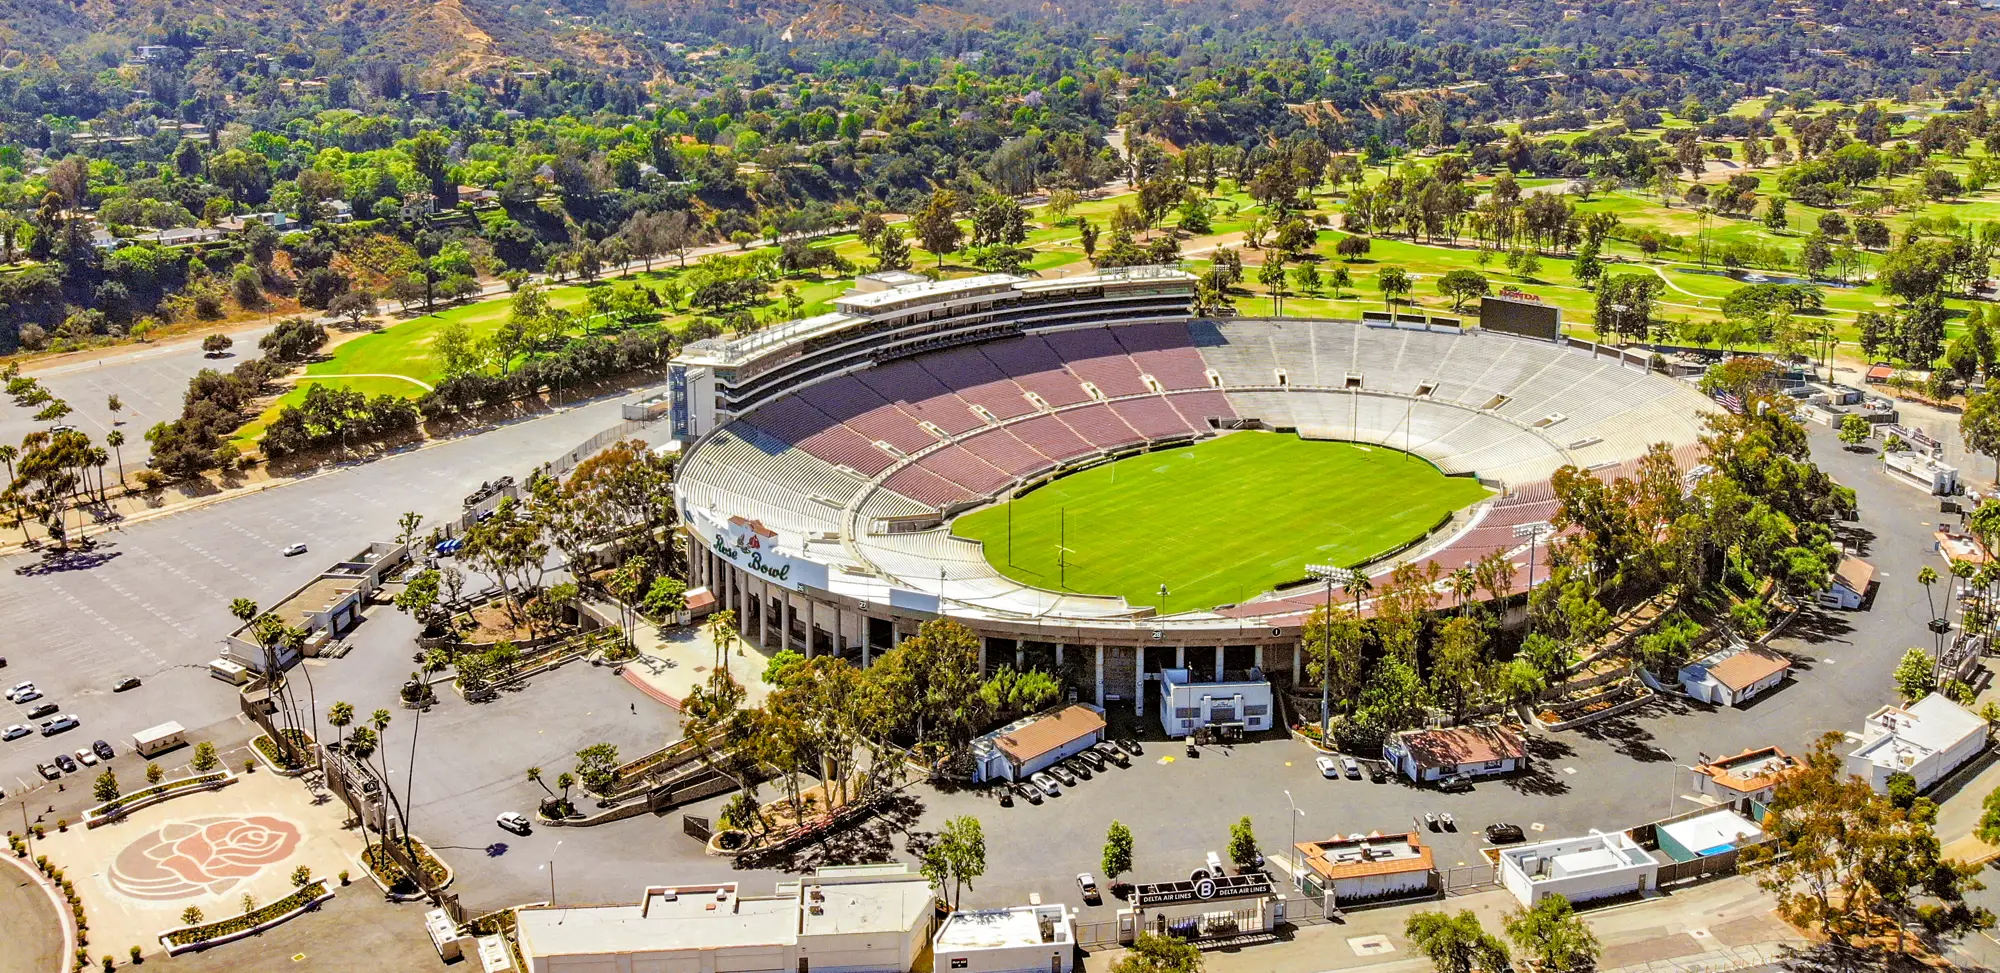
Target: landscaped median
x=203, y=935
x=387, y=872
x=125, y=804
x=275, y=758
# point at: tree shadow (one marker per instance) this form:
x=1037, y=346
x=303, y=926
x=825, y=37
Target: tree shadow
x=1537, y=781
x=1813, y=627
x=868, y=840
x=58, y=562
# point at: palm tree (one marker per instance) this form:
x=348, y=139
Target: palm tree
x=535, y=777
x=722, y=631
x=1463, y=584
x=115, y=439
x=340, y=716
x=1356, y=583
x=380, y=721
x=1927, y=576
x=565, y=780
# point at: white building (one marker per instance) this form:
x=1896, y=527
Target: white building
x=1459, y=751
x=1735, y=675
x=1023, y=939
x=1714, y=833
x=863, y=919
x=1927, y=740
x=1848, y=587
x=1021, y=748
x=1922, y=471
x=1595, y=866
x=1238, y=701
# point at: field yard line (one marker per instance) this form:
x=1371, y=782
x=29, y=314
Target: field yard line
x=426, y=386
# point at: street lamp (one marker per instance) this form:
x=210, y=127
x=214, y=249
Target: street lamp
x=551, y=866
x=1297, y=882
x=1326, y=573
x=1163, y=598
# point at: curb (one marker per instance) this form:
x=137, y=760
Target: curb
x=641, y=685
x=67, y=917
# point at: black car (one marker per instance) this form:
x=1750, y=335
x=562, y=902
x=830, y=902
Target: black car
x=1505, y=834
x=1456, y=783
x=1091, y=757
x=43, y=710
x=1132, y=747
x=103, y=750
x=68, y=766
x=1075, y=765
x=1062, y=775
x=124, y=683
x=1028, y=792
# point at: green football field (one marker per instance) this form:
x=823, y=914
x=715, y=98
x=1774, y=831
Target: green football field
x=1219, y=521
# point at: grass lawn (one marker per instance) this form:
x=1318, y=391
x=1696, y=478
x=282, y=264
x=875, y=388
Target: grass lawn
x=1218, y=521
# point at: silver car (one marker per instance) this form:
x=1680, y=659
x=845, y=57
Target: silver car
x=1046, y=783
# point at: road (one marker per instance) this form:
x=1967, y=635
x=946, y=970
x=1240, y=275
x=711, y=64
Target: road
x=151, y=599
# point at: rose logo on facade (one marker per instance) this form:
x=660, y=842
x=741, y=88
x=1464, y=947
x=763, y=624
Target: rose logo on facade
x=205, y=856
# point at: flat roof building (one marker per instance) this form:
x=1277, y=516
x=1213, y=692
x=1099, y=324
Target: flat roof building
x=1237, y=703
x=1927, y=740
x=859, y=918
x=1023, y=939
x=1714, y=833
x=1594, y=866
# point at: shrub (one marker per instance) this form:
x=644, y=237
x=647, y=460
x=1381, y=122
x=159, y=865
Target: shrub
x=191, y=915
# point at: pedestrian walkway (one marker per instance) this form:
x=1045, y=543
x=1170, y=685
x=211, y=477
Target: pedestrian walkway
x=673, y=660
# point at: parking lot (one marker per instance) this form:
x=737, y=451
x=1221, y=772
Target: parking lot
x=152, y=600
x=149, y=382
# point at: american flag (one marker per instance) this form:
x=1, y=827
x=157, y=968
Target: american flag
x=1730, y=401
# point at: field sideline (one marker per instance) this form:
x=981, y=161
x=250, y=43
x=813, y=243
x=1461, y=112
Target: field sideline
x=1219, y=521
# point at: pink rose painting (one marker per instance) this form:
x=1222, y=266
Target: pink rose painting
x=205, y=856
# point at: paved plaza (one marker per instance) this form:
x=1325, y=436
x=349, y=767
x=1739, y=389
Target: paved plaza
x=206, y=850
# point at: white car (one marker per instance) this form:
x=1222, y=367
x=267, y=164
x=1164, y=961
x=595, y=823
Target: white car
x=1353, y=769
x=16, y=732
x=28, y=695
x=1046, y=783
x=1088, y=886
x=295, y=549
x=26, y=687
x=86, y=757
x=1327, y=768
x=514, y=821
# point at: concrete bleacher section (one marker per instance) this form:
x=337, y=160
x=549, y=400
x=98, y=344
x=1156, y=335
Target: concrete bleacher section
x=869, y=466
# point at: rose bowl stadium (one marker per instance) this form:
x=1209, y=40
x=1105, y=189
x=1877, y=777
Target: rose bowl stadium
x=1092, y=477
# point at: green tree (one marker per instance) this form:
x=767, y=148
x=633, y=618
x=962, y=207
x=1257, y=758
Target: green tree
x=1243, y=844
x=105, y=788
x=1979, y=425
x=936, y=224
x=1555, y=938
x=956, y=856
x=1855, y=430
x=154, y=774
x=1394, y=283
x=1117, y=858
x=1915, y=676
x=596, y=765
x=1462, y=286
x=204, y=759
x=1159, y=954
x=1456, y=943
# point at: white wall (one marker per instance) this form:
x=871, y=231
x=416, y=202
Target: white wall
x=1026, y=958
x=1373, y=886
x=1576, y=888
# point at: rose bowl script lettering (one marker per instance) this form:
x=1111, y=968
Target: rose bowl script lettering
x=756, y=562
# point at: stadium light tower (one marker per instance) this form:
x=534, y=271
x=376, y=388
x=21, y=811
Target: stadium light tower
x=1533, y=532
x=1163, y=598
x=1329, y=574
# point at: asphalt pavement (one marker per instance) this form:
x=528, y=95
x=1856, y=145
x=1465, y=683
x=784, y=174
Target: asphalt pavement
x=152, y=600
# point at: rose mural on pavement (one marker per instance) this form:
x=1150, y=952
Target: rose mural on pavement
x=204, y=856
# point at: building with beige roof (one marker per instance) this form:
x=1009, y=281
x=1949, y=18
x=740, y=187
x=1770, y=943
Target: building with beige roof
x=1735, y=675
x=1022, y=748
x=1361, y=868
